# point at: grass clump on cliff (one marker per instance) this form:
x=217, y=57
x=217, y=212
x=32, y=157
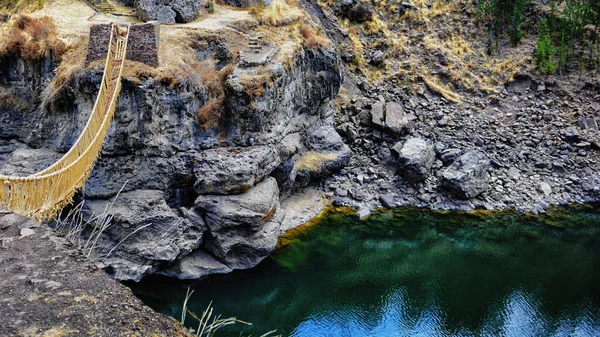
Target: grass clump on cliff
x=21, y=6
x=277, y=13
x=313, y=161
x=31, y=38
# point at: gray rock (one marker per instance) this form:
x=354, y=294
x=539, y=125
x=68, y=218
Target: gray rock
x=24, y=162
x=12, y=219
x=186, y=10
x=243, y=228
x=355, y=10
x=545, y=188
x=149, y=232
x=167, y=11
x=395, y=118
x=196, y=265
x=250, y=209
x=377, y=58
x=233, y=170
x=377, y=114
x=363, y=213
x=387, y=200
x=327, y=153
x=415, y=158
x=290, y=145
x=514, y=173
x=449, y=155
x=25, y=232
x=588, y=124
x=468, y=176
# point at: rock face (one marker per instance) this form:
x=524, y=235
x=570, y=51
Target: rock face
x=196, y=265
x=198, y=200
x=389, y=116
x=167, y=11
x=243, y=228
x=23, y=162
x=355, y=10
x=328, y=153
x=415, y=158
x=468, y=176
x=283, y=109
x=233, y=170
x=162, y=235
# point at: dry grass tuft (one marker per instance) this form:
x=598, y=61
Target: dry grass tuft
x=313, y=161
x=445, y=90
x=376, y=26
x=21, y=6
x=31, y=38
x=278, y=13
x=209, y=114
x=312, y=38
x=73, y=62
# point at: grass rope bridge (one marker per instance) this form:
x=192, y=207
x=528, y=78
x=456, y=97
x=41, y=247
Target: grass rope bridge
x=42, y=196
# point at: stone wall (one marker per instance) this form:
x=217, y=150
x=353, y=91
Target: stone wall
x=144, y=42
x=98, y=45
x=142, y=45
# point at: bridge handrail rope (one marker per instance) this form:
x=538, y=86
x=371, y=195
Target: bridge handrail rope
x=42, y=195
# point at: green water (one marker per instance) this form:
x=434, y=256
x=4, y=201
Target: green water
x=414, y=273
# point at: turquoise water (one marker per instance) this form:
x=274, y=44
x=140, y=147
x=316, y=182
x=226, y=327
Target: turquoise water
x=413, y=273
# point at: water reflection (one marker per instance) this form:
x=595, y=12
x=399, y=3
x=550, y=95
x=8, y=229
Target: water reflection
x=415, y=273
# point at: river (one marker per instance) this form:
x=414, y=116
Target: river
x=412, y=272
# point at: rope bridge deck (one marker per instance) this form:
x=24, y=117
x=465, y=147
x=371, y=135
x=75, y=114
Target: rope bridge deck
x=42, y=195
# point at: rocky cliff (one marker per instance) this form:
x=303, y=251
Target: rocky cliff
x=196, y=197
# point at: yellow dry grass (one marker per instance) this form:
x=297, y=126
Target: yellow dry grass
x=20, y=6
x=454, y=45
x=30, y=38
x=446, y=91
x=359, y=48
x=312, y=37
x=278, y=13
x=375, y=26
x=72, y=63
x=313, y=161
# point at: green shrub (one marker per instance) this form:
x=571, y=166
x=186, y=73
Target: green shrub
x=503, y=16
x=544, y=58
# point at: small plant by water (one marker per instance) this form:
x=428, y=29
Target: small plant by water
x=209, y=323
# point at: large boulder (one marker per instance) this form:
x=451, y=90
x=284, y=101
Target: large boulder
x=378, y=114
x=415, y=158
x=355, y=10
x=468, y=176
x=389, y=116
x=242, y=248
x=395, y=118
x=168, y=11
x=196, y=265
x=144, y=234
x=233, y=170
x=326, y=153
x=243, y=228
x=24, y=162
